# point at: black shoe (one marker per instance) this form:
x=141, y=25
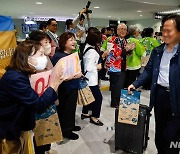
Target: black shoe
x=71, y=136
x=98, y=123
x=76, y=128
x=83, y=116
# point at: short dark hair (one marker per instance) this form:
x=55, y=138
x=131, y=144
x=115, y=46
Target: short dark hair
x=68, y=23
x=19, y=60
x=160, y=34
x=42, y=25
x=94, y=37
x=103, y=30
x=108, y=28
x=81, y=17
x=156, y=33
x=63, y=39
x=148, y=32
x=50, y=20
x=38, y=36
x=174, y=17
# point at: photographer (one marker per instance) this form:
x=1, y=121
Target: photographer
x=71, y=25
x=81, y=27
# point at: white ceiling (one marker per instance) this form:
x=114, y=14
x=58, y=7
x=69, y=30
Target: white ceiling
x=115, y=9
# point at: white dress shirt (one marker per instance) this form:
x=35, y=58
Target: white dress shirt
x=163, y=78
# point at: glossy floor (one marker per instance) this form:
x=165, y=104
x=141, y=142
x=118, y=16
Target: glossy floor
x=100, y=140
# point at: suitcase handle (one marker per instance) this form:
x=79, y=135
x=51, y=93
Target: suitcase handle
x=133, y=89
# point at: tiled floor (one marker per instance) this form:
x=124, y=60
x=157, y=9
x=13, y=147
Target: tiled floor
x=100, y=140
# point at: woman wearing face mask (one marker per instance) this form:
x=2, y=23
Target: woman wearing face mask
x=18, y=101
x=45, y=41
x=67, y=91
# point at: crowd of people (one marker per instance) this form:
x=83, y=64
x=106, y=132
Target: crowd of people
x=124, y=57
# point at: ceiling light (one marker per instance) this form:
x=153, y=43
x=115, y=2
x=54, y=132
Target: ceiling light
x=139, y=11
x=96, y=7
x=39, y=3
x=149, y=3
x=109, y=16
x=140, y=15
x=169, y=11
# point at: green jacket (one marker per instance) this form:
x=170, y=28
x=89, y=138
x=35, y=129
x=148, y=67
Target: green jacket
x=134, y=60
x=149, y=43
x=104, y=45
x=76, y=49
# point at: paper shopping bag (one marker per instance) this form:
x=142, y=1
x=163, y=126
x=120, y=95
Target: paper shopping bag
x=85, y=96
x=129, y=107
x=47, y=129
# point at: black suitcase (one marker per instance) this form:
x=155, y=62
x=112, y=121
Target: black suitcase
x=133, y=138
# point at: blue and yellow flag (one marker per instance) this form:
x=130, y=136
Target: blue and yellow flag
x=7, y=42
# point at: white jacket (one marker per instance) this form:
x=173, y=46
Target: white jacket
x=90, y=60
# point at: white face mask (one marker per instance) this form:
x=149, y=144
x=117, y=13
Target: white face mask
x=41, y=63
x=47, y=49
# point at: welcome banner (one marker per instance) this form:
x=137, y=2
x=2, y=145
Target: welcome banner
x=7, y=42
x=70, y=65
x=47, y=129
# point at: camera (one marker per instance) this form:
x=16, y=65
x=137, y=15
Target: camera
x=87, y=8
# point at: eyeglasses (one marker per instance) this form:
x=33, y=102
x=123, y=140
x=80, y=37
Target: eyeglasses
x=122, y=29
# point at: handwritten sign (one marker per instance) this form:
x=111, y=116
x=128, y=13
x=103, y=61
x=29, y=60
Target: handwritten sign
x=47, y=129
x=70, y=65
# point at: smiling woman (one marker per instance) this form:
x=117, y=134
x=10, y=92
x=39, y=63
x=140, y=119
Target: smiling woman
x=68, y=92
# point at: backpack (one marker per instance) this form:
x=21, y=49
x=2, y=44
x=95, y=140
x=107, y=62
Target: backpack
x=82, y=61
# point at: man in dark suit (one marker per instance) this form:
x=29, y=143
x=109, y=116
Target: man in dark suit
x=52, y=26
x=164, y=69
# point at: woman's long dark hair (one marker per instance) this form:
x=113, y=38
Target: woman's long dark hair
x=94, y=38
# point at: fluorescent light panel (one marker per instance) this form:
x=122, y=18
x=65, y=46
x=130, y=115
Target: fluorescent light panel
x=39, y=3
x=169, y=11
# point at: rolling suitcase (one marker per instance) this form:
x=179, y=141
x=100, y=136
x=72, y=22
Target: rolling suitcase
x=133, y=138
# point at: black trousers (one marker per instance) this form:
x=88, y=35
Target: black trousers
x=102, y=72
x=41, y=149
x=130, y=77
x=116, y=84
x=66, y=110
x=167, y=128
x=96, y=105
